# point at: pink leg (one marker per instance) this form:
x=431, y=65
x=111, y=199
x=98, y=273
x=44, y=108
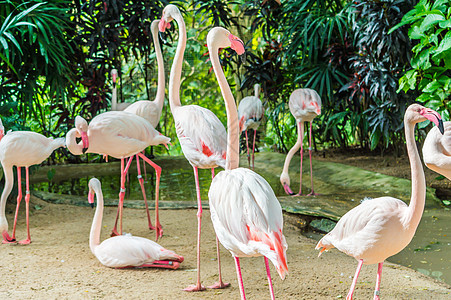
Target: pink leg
x=141, y=183
x=312, y=193
x=354, y=281
x=240, y=278
x=378, y=281
x=120, y=207
x=268, y=272
x=158, y=227
x=300, y=171
x=27, y=208
x=19, y=199
x=247, y=146
x=198, y=286
x=253, y=149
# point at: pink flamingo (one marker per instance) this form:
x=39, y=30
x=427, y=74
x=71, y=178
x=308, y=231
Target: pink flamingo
x=202, y=136
x=246, y=214
x=305, y=105
x=114, y=105
x=250, y=113
x=21, y=149
x=437, y=150
x=382, y=227
x=125, y=250
x=120, y=135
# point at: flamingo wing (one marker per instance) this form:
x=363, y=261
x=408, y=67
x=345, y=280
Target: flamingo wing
x=247, y=216
x=250, y=111
x=202, y=136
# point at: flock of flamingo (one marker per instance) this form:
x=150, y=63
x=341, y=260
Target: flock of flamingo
x=245, y=212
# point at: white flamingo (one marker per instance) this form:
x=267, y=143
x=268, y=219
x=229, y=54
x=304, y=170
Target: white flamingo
x=246, y=214
x=114, y=105
x=381, y=227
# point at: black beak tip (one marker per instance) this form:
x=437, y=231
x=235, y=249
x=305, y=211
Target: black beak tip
x=84, y=150
x=243, y=57
x=440, y=126
x=92, y=205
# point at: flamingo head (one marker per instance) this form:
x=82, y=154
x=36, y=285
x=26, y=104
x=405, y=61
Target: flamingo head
x=236, y=44
x=285, y=181
x=114, y=76
x=417, y=113
x=168, y=15
x=434, y=117
x=94, y=187
x=82, y=128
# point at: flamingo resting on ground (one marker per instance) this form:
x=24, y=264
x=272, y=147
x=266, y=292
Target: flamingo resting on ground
x=202, y=136
x=250, y=113
x=120, y=135
x=21, y=149
x=125, y=250
x=246, y=215
x=305, y=105
x=114, y=105
x=381, y=227
x=437, y=150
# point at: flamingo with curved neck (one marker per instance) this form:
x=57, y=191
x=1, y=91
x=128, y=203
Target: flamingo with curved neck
x=201, y=134
x=381, y=227
x=125, y=251
x=246, y=215
x=114, y=105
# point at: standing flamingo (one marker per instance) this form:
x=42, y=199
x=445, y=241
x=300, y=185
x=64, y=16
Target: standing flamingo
x=120, y=135
x=114, y=105
x=21, y=149
x=202, y=136
x=125, y=250
x=305, y=105
x=437, y=150
x=246, y=215
x=250, y=113
x=382, y=227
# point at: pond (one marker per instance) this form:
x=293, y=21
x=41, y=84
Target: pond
x=429, y=252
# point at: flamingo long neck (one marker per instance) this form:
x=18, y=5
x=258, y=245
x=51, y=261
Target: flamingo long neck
x=176, y=69
x=418, y=197
x=114, y=98
x=96, y=227
x=9, y=182
x=295, y=148
x=71, y=142
x=159, y=98
x=232, y=157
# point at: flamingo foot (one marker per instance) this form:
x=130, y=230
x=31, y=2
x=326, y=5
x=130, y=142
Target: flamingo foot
x=7, y=239
x=25, y=242
x=313, y=194
x=287, y=189
x=195, y=288
x=114, y=232
x=219, y=285
x=158, y=231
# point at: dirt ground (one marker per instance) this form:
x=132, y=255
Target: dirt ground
x=58, y=263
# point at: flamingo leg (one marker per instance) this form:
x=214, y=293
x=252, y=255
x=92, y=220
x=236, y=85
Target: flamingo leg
x=253, y=149
x=27, y=208
x=240, y=278
x=268, y=272
x=141, y=183
x=19, y=199
x=247, y=146
x=220, y=284
x=158, y=227
x=198, y=286
x=302, y=156
x=120, y=207
x=354, y=281
x=378, y=281
x=312, y=193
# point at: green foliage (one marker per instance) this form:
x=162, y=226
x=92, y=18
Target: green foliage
x=430, y=26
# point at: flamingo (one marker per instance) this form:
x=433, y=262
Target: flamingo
x=250, y=113
x=21, y=149
x=437, y=150
x=125, y=250
x=246, y=215
x=305, y=105
x=382, y=227
x=114, y=105
x=202, y=136
x=120, y=135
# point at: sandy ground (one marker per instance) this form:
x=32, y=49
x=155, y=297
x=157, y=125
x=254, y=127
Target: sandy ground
x=58, y=263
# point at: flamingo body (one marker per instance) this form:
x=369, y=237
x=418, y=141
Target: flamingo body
x=247, y=216
x=437, y=150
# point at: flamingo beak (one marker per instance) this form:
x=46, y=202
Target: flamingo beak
x=287, y=189
x=236, y=44
x=91, y=198
x=114, y=79
x=85, y=141
x=163, y=25
x=434, y=117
